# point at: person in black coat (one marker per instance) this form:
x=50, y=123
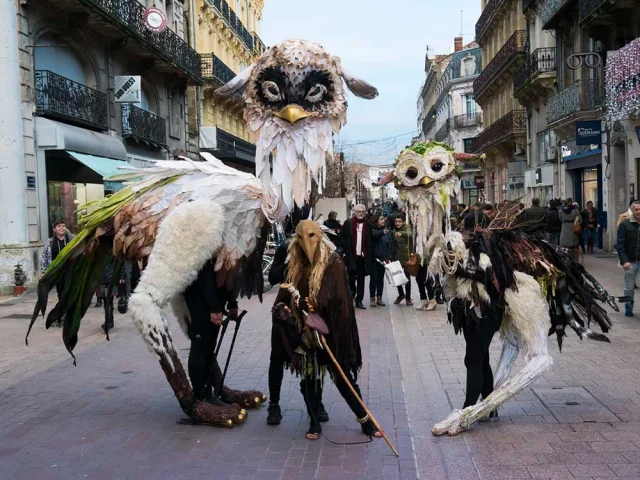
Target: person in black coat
x=554, y=225
x=207, y=303
x=358, y=252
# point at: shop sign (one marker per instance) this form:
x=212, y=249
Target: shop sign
x=493, y=178
x=155, y=20
x=538, y=176
x=468, y=184
x=31, y=181
x=479, y=181
x=589, y=133
x=127, y=88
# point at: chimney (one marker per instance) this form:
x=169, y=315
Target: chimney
x=457, y=44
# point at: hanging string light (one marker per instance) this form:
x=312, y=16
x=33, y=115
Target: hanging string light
x=623, y=82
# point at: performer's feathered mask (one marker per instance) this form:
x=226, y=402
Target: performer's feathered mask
x=427, y=176
x=295, y=101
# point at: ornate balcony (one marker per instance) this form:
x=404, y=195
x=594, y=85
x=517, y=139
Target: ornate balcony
x=540, y=61
x=552, y=12
x=601, y=12
x=258, y=47
x=143, y=125
x=623, y=82
x=467, y=119
x=490, y=12
x=512, y=125
x=166, y=45
x=230, y=147
x=234, y=23
x=582, y=96
x=527, y=4
x=443, y=132
x=511, y=51
x=215, y=69
x=72, y=102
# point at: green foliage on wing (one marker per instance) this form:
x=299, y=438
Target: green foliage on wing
x=422, y=148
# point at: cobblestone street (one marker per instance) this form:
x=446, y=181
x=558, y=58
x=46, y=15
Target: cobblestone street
x=114, y=415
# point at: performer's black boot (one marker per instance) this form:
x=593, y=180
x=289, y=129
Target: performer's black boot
x=323, y=416
x=312, y=393
x=274, y=414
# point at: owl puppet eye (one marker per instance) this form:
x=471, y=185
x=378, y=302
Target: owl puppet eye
x=437, y=166
x=271, y=91
x=316, y=93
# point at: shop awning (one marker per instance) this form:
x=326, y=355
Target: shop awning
x=103, y=166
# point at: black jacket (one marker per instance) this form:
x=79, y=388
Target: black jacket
x=554, y=225
x=534, y=216
x=204, y=293
x=278, y=270
x=383, y=244
x=628, y=242
x=346, y=238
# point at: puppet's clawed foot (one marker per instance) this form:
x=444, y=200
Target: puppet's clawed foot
x=245, y=398
x=452, y=425
x=220, y=416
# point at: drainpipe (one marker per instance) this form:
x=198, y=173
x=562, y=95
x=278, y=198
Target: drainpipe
x=192, y=7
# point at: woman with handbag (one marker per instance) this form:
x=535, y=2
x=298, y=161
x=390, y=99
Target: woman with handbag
x=402, y=239
x=383, y=252
x=571, y=227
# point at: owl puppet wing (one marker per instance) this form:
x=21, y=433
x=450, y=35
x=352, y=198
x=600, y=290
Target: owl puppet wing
x=295, y=102
x=428, y=178
x=182, y=212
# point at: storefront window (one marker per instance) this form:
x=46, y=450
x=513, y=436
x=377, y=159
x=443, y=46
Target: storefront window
x=65, y=200
x=589, y=186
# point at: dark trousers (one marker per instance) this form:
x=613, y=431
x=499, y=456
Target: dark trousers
x=376, y=280
x=204, y=335
x=476, y=359
x=406, y=291
x=356, y=280
x=276, y=374
x=428, y=286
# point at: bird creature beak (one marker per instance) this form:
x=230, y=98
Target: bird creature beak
x=426, y=181
x=292, y=113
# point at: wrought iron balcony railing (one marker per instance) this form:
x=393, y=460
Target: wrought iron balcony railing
x=216, y=69
x=230, y=146
x=582, y=96
x=443, y=131
x=467, y=119
x=511, y=49
x=60, y=97
x=512, y=124
x=143, y=125
x=527, y=3
x=234, y=22
x=258, y=46
x=539, y=61
x=129, y=14
x=549, y=10
x=487, y=15
x=589, y=8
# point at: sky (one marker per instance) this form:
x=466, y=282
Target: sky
x=383, y=42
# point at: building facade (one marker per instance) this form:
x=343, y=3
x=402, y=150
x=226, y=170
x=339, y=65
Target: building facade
x=227, y=37
x=65, y=64
x=458, y=117
x=500, y=32
x=427, y=97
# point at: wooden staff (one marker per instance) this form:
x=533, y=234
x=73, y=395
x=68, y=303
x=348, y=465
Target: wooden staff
x=296, y=295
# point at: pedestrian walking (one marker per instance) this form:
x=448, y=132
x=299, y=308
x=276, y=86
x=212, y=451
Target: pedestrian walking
x=402, y=237
x=590, y=226
x=383, y=252
x=554, y=225
x=357, y=252
x=628, y=247
x=534, y=216
x=53, y=246
x=334, y=227
x=571, y=226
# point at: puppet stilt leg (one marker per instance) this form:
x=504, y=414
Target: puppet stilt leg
x=150, y=321
x=460, y=420
x=507, y=360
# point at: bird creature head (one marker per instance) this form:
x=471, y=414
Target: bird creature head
x=295, y=102
x=428, y=177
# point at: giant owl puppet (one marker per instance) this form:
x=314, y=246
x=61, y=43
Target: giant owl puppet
x=504, y=276
x=178, y=215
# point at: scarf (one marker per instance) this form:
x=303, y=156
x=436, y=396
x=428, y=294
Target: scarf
x=354, y=236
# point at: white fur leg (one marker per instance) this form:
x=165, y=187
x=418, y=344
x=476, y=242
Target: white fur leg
x=508, y=357
x=189, y=236
x=460, y=420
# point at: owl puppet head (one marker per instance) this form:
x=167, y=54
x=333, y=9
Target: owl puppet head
x=427, y=177
x=295, y=102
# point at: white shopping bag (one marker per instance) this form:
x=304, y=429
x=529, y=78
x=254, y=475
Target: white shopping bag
x=394, y=273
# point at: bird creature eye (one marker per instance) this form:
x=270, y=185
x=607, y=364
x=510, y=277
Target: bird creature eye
x=437, y=166
x=411, y=173
x=316, y=93
x=271, y=91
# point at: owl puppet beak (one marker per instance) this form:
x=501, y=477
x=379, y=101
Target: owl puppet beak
x=426, y=181
x=293, y=113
